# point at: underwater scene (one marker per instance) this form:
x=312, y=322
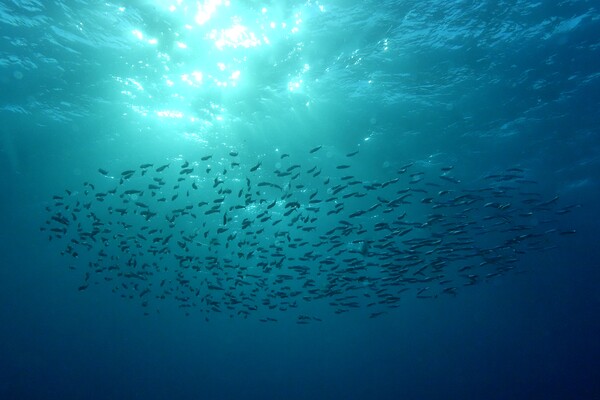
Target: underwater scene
x=226, y=199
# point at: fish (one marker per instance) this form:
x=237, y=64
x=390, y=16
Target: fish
x=260, y=242
x=568, y=232
x=255, y=167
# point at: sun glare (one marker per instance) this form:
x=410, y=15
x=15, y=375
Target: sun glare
x=208, y=45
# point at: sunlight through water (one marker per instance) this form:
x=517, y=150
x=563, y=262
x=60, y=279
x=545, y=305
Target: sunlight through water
x=213, y=55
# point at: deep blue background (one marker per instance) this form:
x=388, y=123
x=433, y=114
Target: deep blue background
x=476, y=84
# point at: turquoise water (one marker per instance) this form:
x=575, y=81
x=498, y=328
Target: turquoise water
x=391, y=199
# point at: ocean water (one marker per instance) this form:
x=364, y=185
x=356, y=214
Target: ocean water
x=401, y=199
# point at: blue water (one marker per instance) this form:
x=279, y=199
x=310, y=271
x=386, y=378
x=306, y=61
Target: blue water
x=479, y=86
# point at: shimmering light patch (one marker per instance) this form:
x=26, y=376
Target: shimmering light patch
x=294, y=85
x=135, y=83
x=152, y=41
x=181, y=45
x=298, y=21
x=197, y=76
x=164, y=57
x=206, y=10
x=169, y=114
x=140, y=110
x=193, y=79
x=138, y=34
x=236, y=36
x=130, y=82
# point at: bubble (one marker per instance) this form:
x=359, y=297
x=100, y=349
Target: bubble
x=18, y=75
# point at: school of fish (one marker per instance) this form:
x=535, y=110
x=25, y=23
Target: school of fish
x=219, y=235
